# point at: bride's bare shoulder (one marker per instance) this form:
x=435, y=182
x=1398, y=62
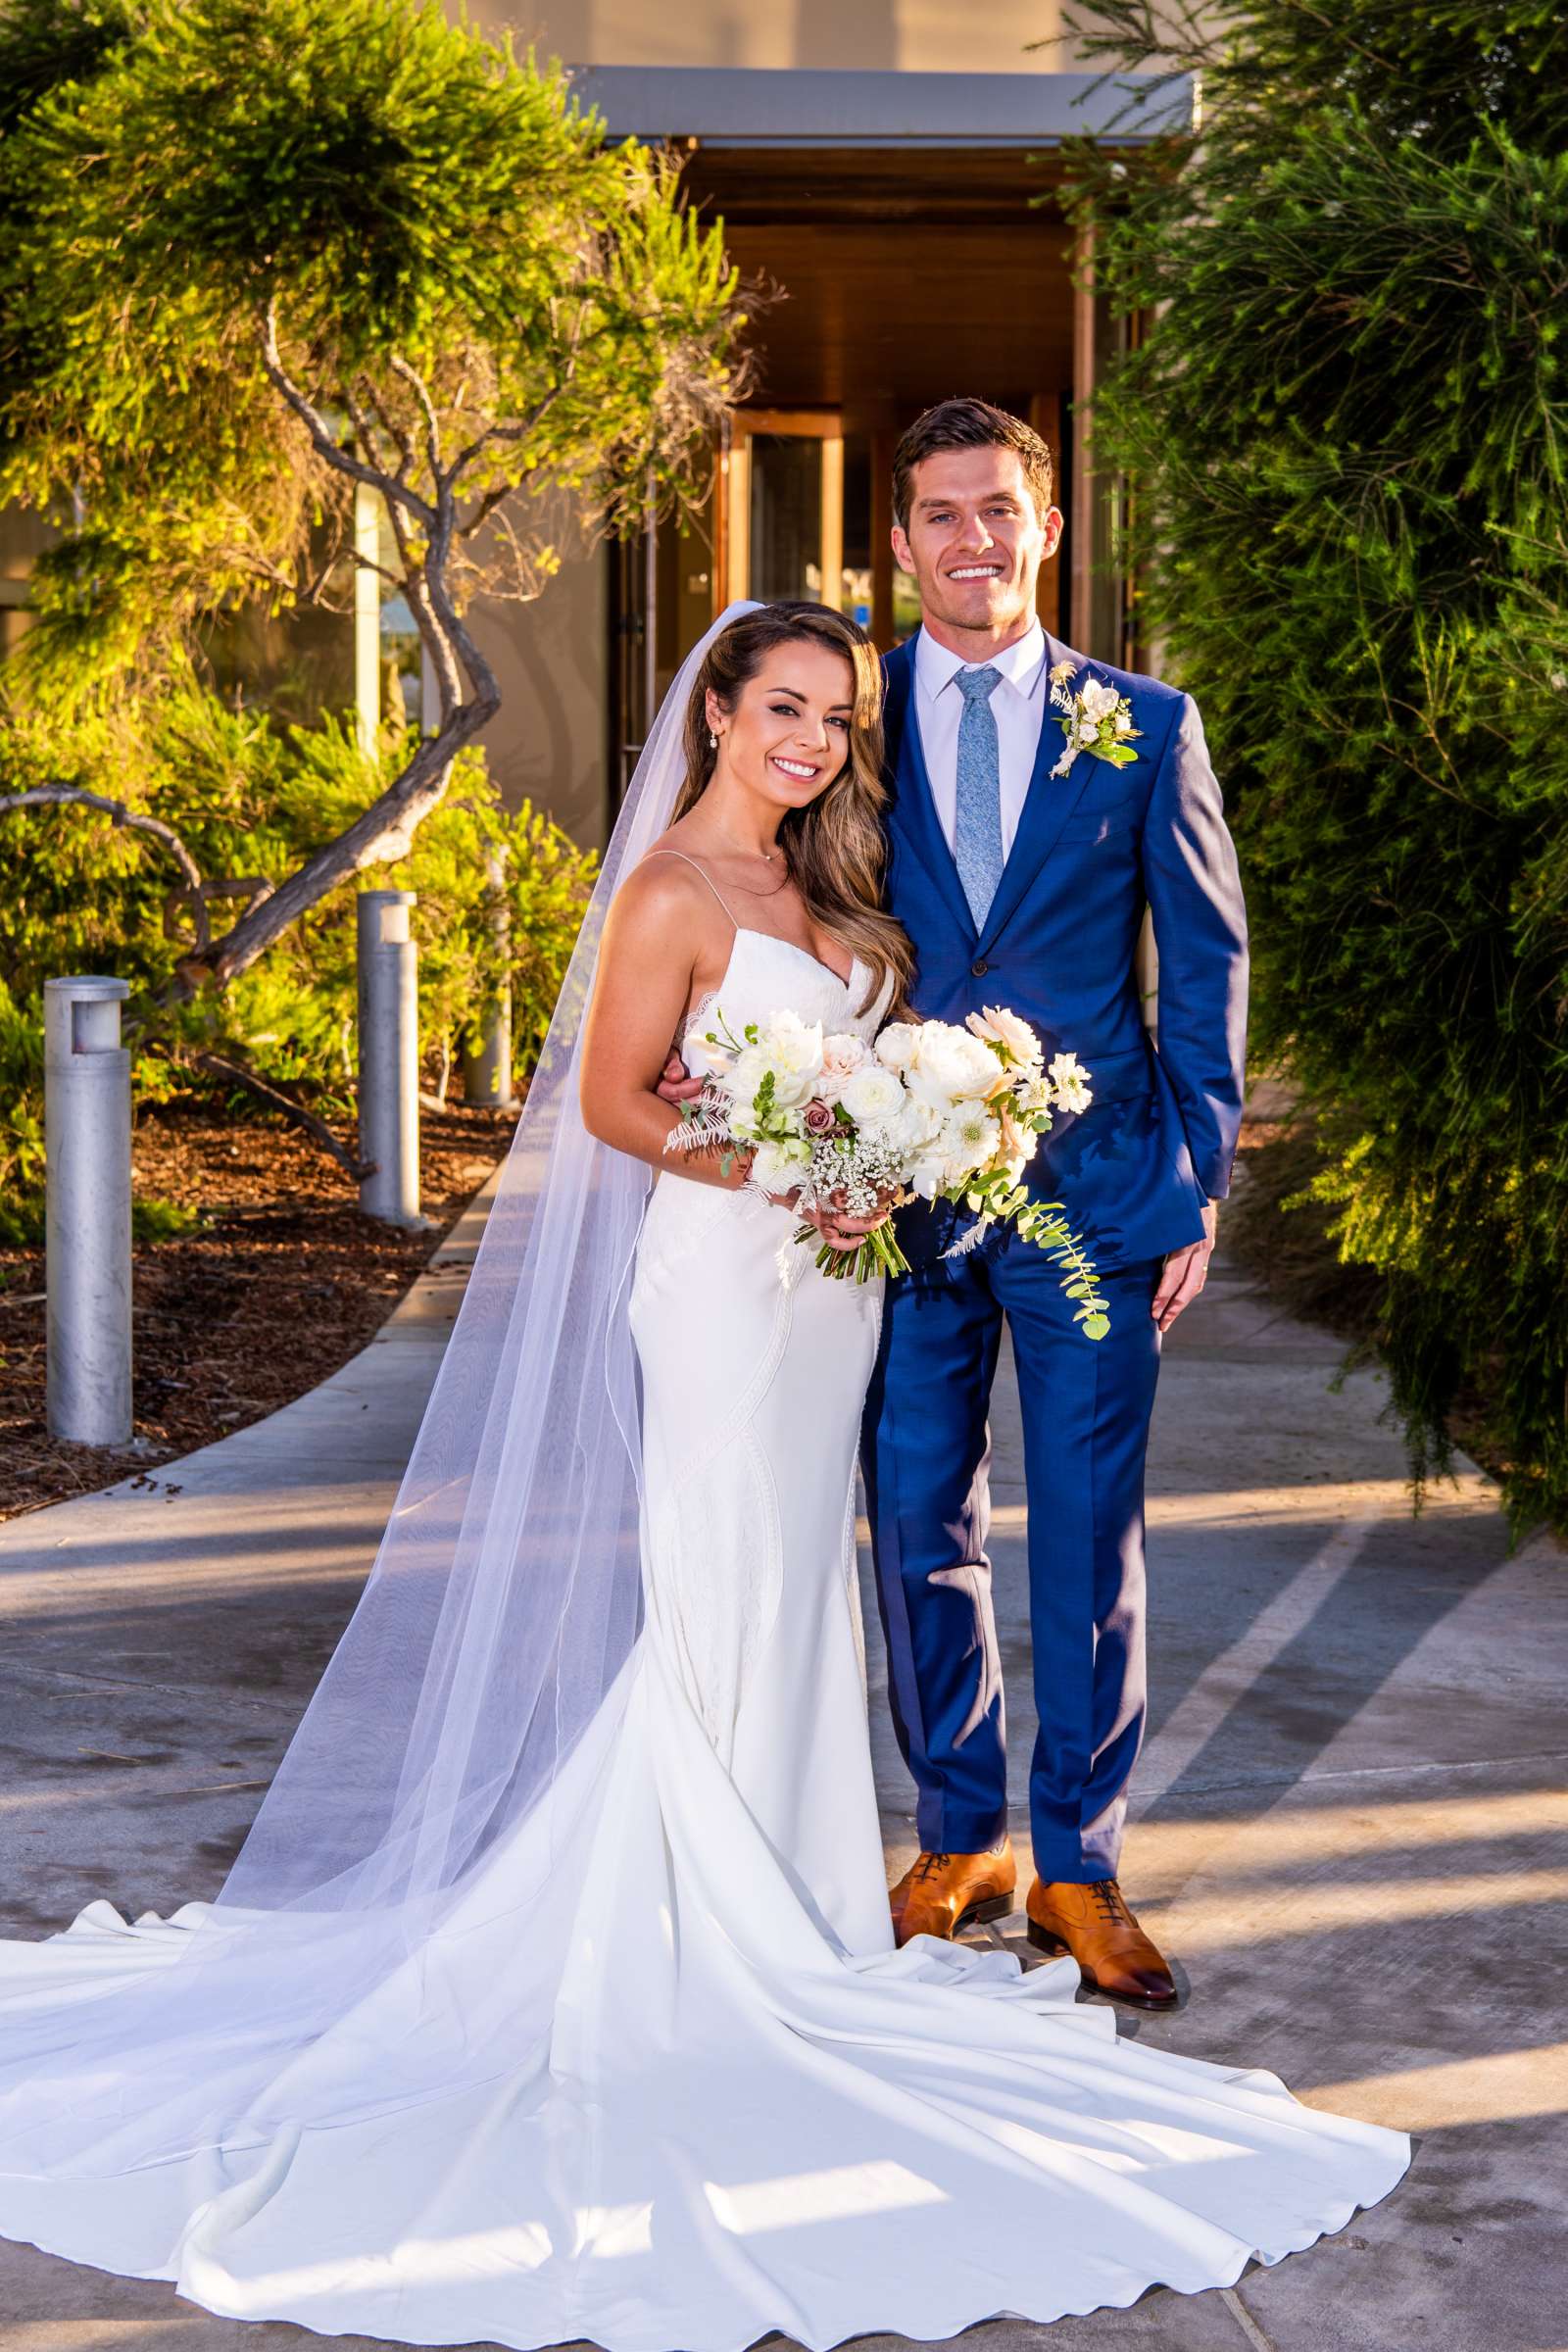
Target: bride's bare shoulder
x=667, y=881
x=666, y=899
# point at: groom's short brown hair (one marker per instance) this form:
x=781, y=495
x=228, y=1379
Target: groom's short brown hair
x=968, y=424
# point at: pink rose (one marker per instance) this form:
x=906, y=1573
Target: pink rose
x=820, y=1118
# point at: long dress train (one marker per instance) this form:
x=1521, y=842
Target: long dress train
x=703, y=2095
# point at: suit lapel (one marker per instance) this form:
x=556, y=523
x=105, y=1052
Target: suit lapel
x=1048, y=804
x=912, y=815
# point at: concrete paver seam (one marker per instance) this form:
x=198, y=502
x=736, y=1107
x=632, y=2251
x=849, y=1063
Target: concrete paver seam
x=1245, y=2321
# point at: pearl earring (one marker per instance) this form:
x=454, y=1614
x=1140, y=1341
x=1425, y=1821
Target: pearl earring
x=713, y=739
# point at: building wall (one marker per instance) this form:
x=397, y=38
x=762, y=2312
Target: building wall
x=547, y=742
x=907, y=36
x=549, y=739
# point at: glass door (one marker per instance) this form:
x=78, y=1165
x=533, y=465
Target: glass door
x=784, y=506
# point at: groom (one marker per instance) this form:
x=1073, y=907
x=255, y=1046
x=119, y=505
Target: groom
x=1026, y=889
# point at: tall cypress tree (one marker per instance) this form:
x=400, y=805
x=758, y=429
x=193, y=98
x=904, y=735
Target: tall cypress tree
x=1345, y=424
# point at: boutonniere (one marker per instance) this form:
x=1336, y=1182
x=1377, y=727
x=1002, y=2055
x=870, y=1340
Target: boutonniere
x=1096, y=720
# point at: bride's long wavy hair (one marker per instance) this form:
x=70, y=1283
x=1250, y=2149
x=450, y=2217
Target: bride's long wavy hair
x=835, y=846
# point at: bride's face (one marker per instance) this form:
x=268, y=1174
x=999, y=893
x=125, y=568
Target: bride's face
x=788, y=735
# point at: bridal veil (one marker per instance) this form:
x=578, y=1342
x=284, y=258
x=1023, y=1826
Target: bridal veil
x=503, y=1606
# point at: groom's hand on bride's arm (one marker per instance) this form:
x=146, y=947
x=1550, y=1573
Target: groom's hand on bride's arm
x=676, y=1084
x=1184, y=1273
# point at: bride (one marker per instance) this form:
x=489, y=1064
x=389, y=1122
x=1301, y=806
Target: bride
x=554, y=1995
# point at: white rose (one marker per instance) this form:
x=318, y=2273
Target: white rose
x=899, y=1045
x=997, y=1026
x=1096, y=701
x=842, y=1056
x=953, y=1066
x=872, y=1096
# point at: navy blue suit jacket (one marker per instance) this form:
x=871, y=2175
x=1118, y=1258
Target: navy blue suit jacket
x=1058, y=946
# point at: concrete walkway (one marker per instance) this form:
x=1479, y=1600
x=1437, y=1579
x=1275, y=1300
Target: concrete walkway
x=1350, y=1815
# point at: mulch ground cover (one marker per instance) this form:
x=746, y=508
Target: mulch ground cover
x=280, y=1284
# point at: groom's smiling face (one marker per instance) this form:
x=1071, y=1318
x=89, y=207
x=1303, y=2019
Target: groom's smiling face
x=975, y=541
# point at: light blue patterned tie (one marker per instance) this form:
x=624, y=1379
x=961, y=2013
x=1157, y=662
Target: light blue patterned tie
x=977, y=823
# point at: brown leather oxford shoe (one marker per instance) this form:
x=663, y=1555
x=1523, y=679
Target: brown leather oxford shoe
x=943, y=1892
x=1094, y=1923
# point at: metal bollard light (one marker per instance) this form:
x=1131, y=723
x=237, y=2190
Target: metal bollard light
x=487, y=1061
x=488, y=1053
x=87, y=1213
x=388, y=961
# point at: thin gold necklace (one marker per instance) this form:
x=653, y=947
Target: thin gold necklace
x=770, y=854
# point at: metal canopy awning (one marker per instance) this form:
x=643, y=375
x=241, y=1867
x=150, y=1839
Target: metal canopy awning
x=806, y=107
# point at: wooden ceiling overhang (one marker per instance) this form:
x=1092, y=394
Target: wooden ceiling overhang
x=901, y=230
x=885, y=279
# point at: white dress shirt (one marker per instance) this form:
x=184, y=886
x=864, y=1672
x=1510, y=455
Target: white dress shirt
x=1017, y=704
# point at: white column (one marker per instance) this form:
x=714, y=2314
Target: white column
x=367, y=614
x=487, y=1051
x=389, y=1057
x=87, y=1216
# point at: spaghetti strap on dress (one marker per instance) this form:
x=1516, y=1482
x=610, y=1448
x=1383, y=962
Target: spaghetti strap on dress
x=706, y=875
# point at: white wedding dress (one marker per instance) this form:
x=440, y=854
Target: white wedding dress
x=704, y=2097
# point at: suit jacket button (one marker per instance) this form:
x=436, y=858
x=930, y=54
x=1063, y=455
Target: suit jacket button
x=980, y=970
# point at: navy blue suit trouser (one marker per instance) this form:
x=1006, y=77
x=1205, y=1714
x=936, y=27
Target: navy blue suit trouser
x=927, y=1455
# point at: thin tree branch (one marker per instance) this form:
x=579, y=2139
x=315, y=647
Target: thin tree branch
x=521, y=427
x=485, y=509
x=239, y=1074
x=364, y=431
x=61, y=796
x=432, y=424
x=322, y=439
x=393, y=430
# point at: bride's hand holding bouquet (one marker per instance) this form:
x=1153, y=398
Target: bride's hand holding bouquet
x=847, y=1131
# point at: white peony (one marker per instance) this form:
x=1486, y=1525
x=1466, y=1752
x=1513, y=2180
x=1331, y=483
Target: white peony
x=953, y=1066
x=899, y=1045
x=918, y=1125
x=929, y=1175
x=842, y=1056
x=997, y=1026
x=792, y=1049
x=872, y=1096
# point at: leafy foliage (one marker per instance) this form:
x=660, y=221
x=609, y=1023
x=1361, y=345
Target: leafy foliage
x=437, y=235
x=1345, y=419
x=258, y=258
x=252, y=798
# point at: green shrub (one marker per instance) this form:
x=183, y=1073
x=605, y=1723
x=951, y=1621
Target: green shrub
x=1345, y=424
x=251, y=799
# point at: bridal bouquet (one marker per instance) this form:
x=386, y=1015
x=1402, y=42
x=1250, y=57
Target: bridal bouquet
x=929, y=1112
